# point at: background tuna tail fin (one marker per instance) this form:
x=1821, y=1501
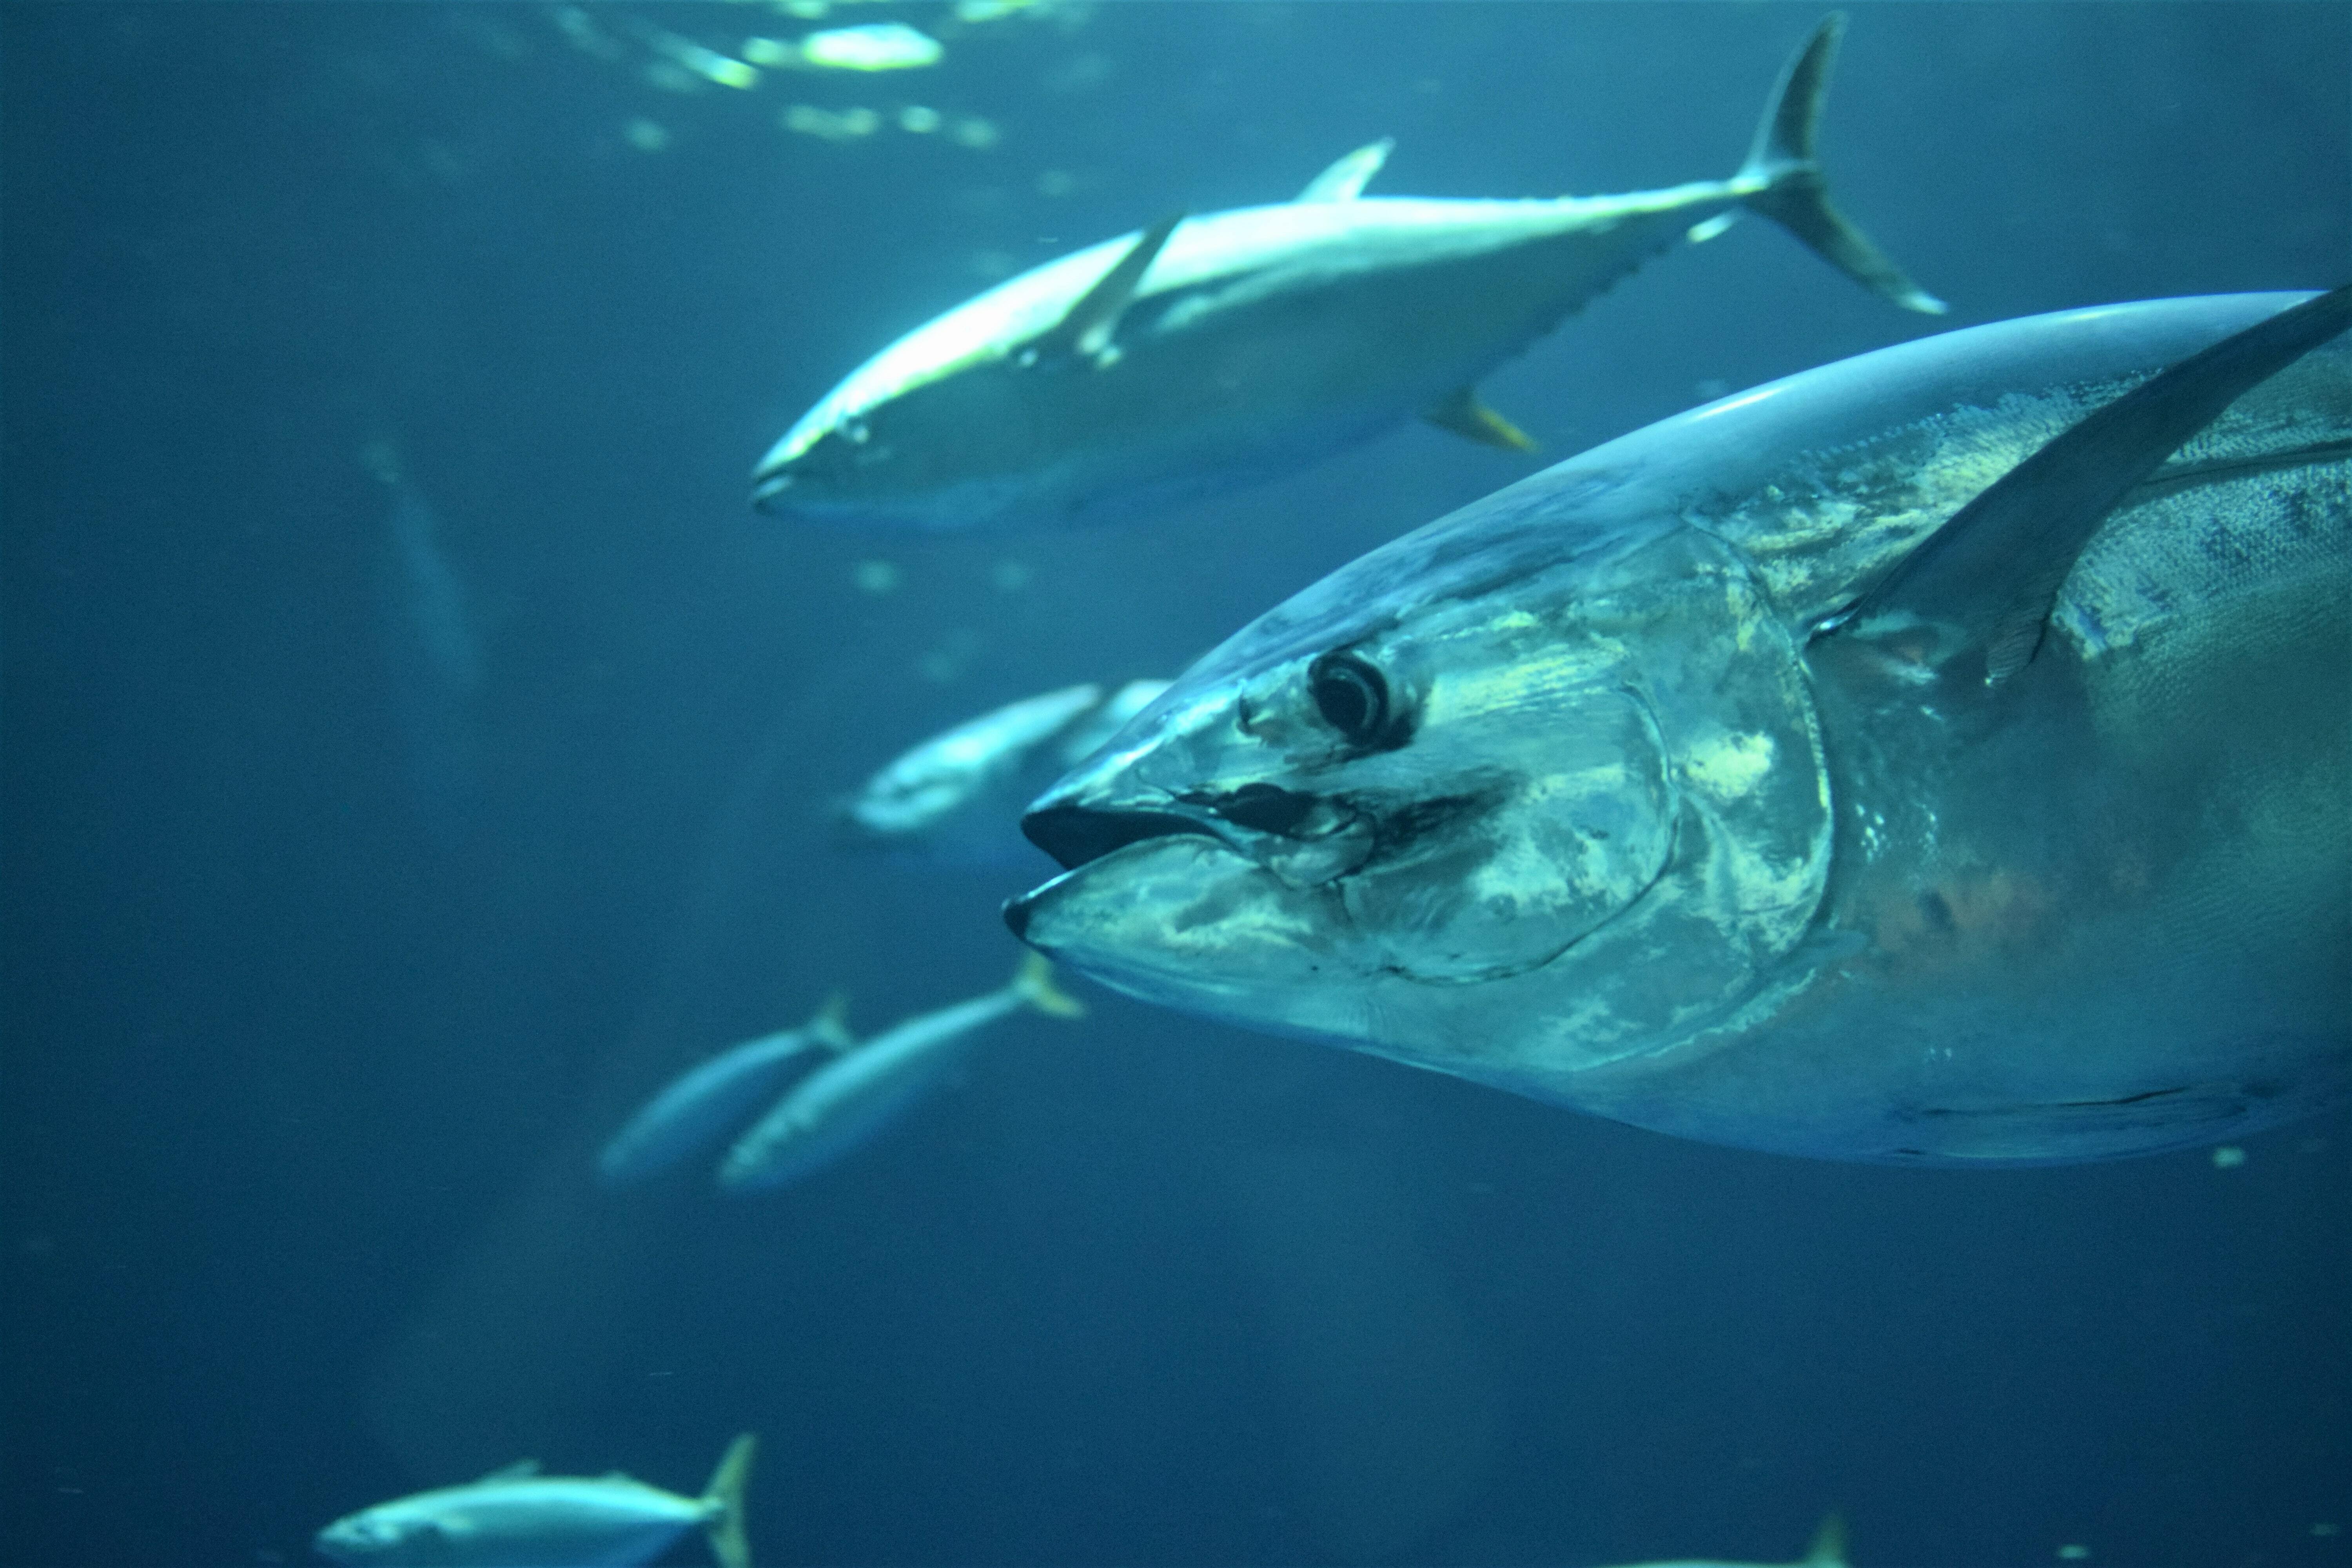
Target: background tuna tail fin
x=724, y=1496
x=1828, y=1550
x=1787, y=186
x=1035, y=986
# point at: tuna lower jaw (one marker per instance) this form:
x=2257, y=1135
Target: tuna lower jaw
x=1182, y=921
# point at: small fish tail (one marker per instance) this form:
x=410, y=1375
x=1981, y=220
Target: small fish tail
x=1034, y=984
x=829, y=1026
x=1786, y=184
x=1828, y=1550
x=724, y=1498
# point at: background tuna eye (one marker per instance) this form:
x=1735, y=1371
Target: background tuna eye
x=1351, y=695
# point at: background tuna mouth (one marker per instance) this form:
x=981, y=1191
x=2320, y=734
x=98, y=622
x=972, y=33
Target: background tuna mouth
x=1074, y=835
x=766, y=486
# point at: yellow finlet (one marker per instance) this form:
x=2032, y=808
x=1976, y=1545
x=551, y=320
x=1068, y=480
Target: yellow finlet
x=1462, y=414
x=1035, y=982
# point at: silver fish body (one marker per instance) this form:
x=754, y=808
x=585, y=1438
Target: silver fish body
x=956, y=799
x=1211, y=352
x=1661, y=784
x=516, y=1518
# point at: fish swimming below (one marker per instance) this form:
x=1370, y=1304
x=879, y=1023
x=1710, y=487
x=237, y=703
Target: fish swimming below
x=1937, y=757
x=956, y=799
x=517, y=1518
x=1208, y=352
x=838, y=1108
x=698, y=1108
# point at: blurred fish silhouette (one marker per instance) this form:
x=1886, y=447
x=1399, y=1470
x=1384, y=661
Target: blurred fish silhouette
x=956, y=799
x=1212, y=352
x=1940, y=756
x=432, y=656
x=517, y=1518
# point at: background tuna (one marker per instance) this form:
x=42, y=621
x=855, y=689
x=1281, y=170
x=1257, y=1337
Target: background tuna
x=303, y=1095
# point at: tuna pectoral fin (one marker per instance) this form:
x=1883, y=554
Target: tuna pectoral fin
x=1085, y=327
x=1345, y=180
x=724, y=1499
x=1828, y=1550
x=1033, y=984
x=1986, y=581
x=1784, y=181
x=1462, y=414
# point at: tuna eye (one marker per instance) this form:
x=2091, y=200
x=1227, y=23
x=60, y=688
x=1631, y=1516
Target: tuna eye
x=1352, y=696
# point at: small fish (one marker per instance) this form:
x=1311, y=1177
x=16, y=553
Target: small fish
x=1827, y=1551
x=699, y=1105
x=875, y=46
x=956, y=799
x=1207, y=352
x=837, y=1108
x=1937, y=757
x=517, y=1518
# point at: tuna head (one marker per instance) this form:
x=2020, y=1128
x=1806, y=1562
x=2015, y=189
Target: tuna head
x=1505, y=802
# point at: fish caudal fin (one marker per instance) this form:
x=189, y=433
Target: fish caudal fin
x=1828, y=1550
x=1034, y=984
x=1789, y=185
x=724, y=1498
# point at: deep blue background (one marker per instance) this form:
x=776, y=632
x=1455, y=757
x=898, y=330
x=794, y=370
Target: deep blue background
x=310, y=1027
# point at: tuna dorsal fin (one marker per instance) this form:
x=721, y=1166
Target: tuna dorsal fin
x=1462, y=413
x=829, y=1027
x=522, y=1469
x=1345, y=180
x=1828, y=1550
x=1985, y=582
x=1084, y=329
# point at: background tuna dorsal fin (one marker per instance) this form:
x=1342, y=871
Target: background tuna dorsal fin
x=1345, y=180
x=1462, y=414
x=1828, y=1550
x=1085, y=327
x=1986, y=581
x=522, y=1469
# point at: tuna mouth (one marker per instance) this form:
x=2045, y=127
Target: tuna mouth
x=1076, y=835
x=767, y=485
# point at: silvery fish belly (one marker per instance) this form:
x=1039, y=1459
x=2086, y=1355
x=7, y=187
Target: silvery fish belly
x=1944, y=755
x=1207, y=352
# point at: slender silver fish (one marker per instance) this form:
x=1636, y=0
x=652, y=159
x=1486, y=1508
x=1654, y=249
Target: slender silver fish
x=835, y=1109
x=695, y=1110
x=1207, y=352
x=1941, y=756
x=517, y=1518
x=956, y=799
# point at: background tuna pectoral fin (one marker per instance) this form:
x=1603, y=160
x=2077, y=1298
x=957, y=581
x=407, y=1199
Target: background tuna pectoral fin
x=1990, y=574
x=1085, y=328
x=1462, y=414
x=1788, y=185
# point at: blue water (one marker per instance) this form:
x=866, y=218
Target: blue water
x=326, y=971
